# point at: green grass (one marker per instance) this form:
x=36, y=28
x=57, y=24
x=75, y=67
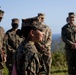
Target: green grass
x=59, y=74
x=54, y=71
x=59, y=70
x=5, y=71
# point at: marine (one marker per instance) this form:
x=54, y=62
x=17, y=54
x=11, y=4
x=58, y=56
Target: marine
x=69, y=38
x=44, y=47
x=27, y=56
x=2, y=49
x=13, y=40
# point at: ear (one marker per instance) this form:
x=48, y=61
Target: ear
x=32, y=32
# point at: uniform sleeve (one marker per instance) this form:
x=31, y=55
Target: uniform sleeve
x=3, y=48
x=45, y=45
x=6, y=44
x=27, y=61
x=1, y=36
x=2, y=32
x=48, y=39
x=64, y=37
x=34, y=65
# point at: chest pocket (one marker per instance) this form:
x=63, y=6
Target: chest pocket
x=12, y=40
x=74, y=33
x=71, y=33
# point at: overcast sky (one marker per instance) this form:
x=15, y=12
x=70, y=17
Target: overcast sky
x=56, y=11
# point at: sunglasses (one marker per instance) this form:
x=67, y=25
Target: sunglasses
x=42, y=18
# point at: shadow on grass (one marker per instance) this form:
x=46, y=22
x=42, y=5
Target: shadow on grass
x=59, y=71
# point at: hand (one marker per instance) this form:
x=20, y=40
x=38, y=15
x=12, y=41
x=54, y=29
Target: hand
x=73, y=46
x=43, y=48
x=13, y=51
x=4, y=59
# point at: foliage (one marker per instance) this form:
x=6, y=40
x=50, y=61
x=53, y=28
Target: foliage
x=59, y=70
x=5, y=70
x=59, y=63
x=58, y=52
x=58, y=58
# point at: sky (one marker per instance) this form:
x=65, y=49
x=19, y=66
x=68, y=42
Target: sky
x=56, y=12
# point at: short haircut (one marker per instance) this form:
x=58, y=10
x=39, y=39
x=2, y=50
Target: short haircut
x=26, y=30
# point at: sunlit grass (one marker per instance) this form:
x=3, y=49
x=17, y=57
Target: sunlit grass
x=59, y=74
x=54, y=71
x=5, y=71
x=59, y=70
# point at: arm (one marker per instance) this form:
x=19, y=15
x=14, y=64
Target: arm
x=45, y=45
x=64, y=37
x=6, y=43
x=48, y=39
x=3, y=52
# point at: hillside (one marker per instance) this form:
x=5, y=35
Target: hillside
x=57, y=43
x=56, y=36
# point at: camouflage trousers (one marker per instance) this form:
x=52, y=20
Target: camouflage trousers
x=71, y=60
x=47, y=61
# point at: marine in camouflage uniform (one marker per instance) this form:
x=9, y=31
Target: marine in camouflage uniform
x=44, y=47
x=69, y=38
x=2, y=59
x=27, y=57
x=13, y=40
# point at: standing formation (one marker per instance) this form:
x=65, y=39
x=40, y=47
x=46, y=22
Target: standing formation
x=28, y=48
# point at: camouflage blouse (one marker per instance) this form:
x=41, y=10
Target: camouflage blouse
x=27, y=60
x=1, y=37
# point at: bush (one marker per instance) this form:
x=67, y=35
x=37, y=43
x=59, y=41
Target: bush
x=58, y=58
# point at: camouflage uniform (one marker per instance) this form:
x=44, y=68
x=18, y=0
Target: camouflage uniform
x=46, y=42
x=46, y=51
x=13, y=40
x=69, y=37
x=44, y=47
x=27, y=59
x=1, y=44
x=27, y=56
x=1, y=37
